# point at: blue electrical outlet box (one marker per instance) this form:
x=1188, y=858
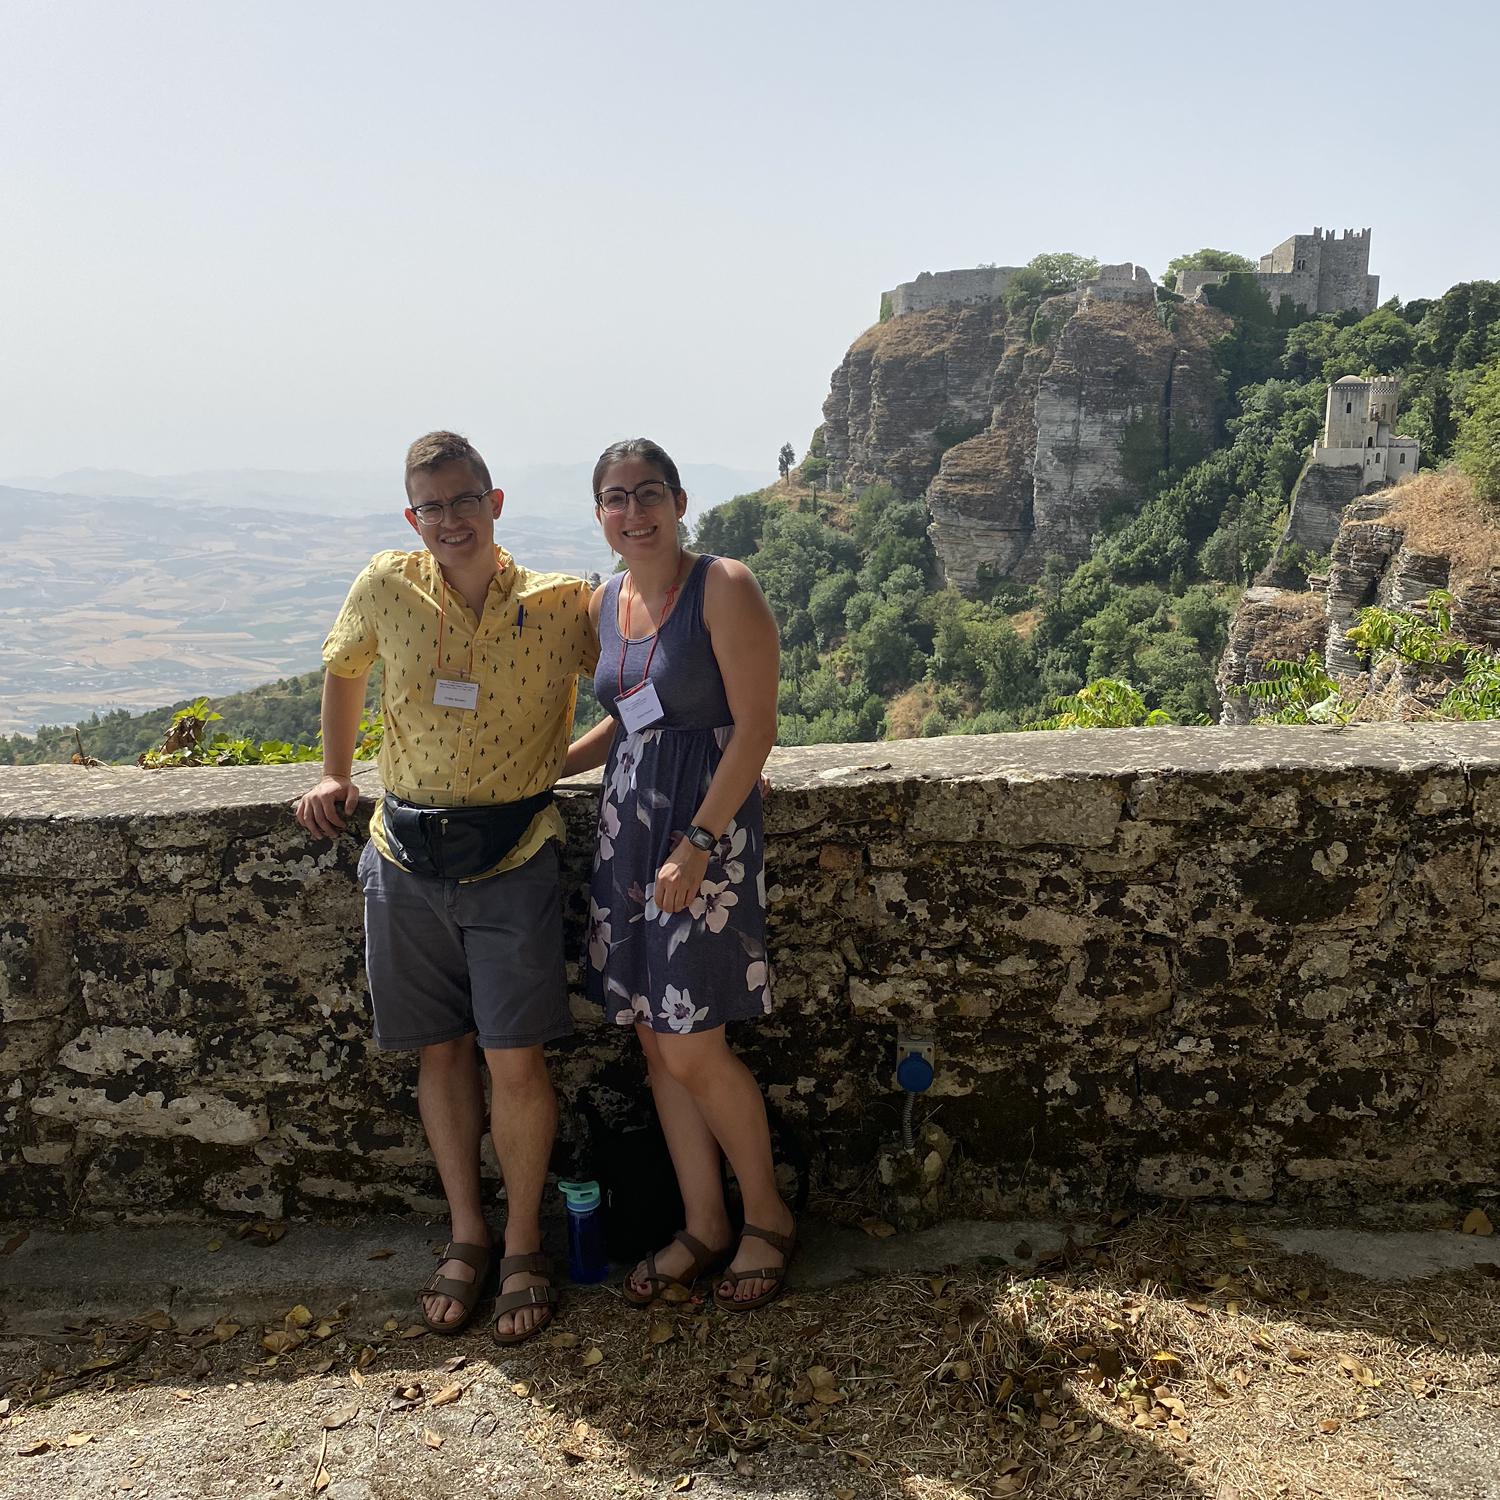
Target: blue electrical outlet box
x=916, y=1061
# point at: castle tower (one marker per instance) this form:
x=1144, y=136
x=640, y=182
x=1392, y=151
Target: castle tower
x=1359, y=432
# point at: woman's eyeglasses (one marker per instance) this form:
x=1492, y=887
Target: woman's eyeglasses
x=616, y=501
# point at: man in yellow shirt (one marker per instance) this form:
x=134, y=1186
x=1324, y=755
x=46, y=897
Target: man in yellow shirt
x=463, y=921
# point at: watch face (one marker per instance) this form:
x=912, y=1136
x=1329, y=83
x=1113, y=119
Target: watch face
x=701, y=838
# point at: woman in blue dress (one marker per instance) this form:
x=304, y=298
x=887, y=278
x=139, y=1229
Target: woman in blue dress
x=688, y=670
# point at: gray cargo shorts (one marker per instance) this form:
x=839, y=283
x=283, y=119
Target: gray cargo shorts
x=449, y=958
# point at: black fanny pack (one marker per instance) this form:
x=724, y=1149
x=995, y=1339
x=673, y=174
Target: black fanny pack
x=454, y=843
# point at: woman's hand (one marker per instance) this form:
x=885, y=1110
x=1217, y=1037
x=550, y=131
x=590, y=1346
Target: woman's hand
x=678, y=879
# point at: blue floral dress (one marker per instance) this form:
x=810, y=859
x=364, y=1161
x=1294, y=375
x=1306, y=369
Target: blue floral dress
x=695, y=969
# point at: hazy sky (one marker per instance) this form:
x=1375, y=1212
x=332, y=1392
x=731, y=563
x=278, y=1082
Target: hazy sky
x=281, y=234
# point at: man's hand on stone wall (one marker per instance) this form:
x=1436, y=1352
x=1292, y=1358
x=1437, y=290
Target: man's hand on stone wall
x=323, y=810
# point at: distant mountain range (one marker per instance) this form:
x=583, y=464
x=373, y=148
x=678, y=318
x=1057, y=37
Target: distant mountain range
x=547, y=492
x=129, y=591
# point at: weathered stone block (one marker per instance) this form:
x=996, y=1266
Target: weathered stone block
x=214, y=1118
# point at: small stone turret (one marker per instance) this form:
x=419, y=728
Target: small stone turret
x=1358, y=432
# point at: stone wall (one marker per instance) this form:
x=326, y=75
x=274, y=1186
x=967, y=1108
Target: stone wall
x=949, y=288
x=1252, y=964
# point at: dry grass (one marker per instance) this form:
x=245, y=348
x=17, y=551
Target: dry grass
x=1441, y=516
x=1174, y=1358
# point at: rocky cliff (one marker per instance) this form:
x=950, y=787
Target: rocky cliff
x=1023, y=430
x=1391, y=548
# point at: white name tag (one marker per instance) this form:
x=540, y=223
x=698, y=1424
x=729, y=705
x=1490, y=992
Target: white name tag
x=640, y=708
x=454, y=692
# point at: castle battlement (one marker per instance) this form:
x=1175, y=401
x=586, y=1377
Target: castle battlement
x=1322, y=272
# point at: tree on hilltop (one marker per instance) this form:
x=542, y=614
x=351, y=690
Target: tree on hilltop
x=1048, y=274
x=785, y=459
x=1206, y=259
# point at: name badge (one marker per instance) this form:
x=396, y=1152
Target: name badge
x=640, y=708
x=454, y=692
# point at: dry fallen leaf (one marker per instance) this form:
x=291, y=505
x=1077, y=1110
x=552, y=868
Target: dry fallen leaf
x=78, y=1439
x=456, y=1363
x=224, y=1330
x=1329, y=1424
x=878, y=1228
x=155, y=1319
x=323, y=1330
x=322, y=1482
x=684, y=1482
x=380, y=1255
x=415, y=1331
x=1477, y=1222
x=593, y=1357
x=660, y=1333
x=341, y=1418
x=255, y=1421
x=521, y=1388
x=448, y=1394
x=562, y=1341
x=214, y=1245
x=298, y=1317
x=431, y=1438
x=31, y=1450
x=281, y=1341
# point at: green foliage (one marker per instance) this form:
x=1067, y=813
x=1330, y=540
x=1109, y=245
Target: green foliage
x=1422, y=638
x=734, y=528
x=1063, y=269
x=1105, y=704
x=1478, y=447
x=887, y=312
x=1300, y=692
x=1047, y=275
x=1205, y=260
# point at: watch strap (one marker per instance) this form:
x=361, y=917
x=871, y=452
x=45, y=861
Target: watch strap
x=701, y=838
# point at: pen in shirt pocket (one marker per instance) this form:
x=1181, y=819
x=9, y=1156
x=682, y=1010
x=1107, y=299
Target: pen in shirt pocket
x=520, y=616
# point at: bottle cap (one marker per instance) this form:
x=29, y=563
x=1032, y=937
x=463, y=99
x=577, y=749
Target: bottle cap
x=580, y=1195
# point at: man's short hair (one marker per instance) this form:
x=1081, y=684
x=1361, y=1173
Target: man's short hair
x=439, y=448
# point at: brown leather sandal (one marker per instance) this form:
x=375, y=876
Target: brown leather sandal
x=467, y=1293
x=776, y=1275
x=535, y=1264
x=704, y=1259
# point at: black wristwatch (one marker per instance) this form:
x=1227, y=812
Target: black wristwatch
x=701, y=838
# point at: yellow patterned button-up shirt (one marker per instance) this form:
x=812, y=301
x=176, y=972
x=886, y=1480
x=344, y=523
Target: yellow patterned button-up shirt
x=526, y=651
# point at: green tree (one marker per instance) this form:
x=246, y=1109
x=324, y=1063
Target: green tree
x=1206, y=260
x=784, y=461
x=1478, y=446
x=734, y=528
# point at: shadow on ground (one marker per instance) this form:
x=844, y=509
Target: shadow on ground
x=1174, y=1357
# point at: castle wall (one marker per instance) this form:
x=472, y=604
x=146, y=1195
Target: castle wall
x=942, y=288
x=1123, y=283
x=1164, y=964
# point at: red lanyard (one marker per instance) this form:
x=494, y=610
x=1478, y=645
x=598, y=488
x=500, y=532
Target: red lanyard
x=670, y=600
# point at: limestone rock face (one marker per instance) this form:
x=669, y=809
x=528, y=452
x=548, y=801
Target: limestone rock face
x=1270, y=624
x=1024, y=431
x=1392, y=548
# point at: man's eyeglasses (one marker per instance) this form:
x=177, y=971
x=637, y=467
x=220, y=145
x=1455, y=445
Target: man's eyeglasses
x=463, y=508
x=647, y=495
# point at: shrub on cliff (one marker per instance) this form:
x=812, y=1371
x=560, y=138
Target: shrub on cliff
x=1478, y=446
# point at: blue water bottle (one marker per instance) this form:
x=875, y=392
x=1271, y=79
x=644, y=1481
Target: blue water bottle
x=587, y=1261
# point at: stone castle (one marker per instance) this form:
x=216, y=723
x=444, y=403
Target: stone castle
x=1358, y=432
x=1318, y=271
